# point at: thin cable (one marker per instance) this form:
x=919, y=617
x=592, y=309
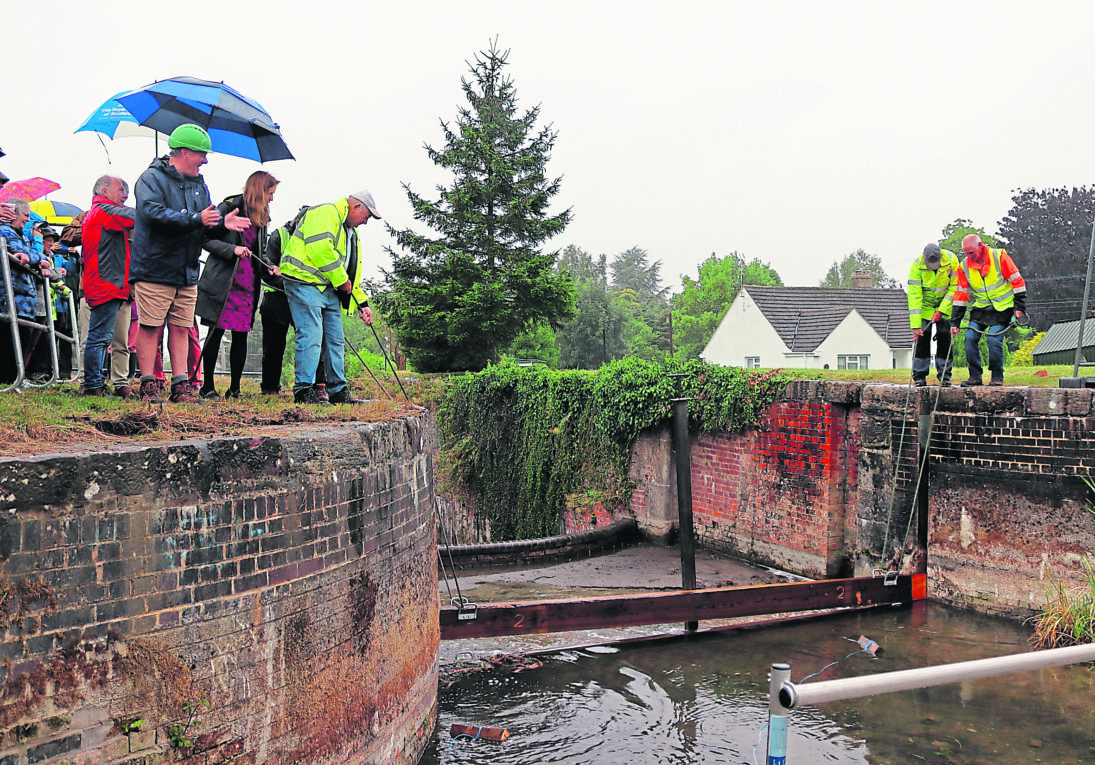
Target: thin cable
x=833, y=664
x=760, y=737
x=352, y=348
x=452, y=563
x=395, y=372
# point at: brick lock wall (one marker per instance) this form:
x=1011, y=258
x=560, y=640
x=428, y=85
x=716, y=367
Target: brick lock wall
x=782, y=494
x=1008, y=504
x=284, y=588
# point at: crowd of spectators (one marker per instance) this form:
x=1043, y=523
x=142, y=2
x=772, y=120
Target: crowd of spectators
x=133, y=275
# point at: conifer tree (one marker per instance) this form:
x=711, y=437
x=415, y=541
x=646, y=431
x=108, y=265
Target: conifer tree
x=458, y=298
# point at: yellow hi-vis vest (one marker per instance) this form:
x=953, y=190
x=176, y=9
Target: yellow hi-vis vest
x=991, y=289
x=317, y=251
x=931, y=291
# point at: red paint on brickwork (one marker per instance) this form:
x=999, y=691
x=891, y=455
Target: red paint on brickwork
x=780, y=484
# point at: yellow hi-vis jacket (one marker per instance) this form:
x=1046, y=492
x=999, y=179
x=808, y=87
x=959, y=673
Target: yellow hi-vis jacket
x=931, y=291
x=320, y=249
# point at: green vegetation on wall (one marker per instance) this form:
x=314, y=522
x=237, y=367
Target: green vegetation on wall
x=523, y=443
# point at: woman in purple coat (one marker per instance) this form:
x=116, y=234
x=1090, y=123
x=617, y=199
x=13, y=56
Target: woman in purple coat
x=228, y=291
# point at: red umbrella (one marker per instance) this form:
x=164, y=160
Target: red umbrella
x=28, y=188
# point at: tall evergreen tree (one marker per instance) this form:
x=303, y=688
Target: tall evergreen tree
x=458, y=299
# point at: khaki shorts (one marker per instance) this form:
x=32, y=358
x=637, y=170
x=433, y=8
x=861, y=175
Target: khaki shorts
x=158, y=304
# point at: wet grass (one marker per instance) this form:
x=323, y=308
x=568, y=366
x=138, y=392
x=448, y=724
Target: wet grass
x=60, y=419
x=1032, y=377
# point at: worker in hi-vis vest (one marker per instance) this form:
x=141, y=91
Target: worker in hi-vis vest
x=992, y=287
x=321, y=268
x=932, y=279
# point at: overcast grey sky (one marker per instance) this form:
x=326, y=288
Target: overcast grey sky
x=792, y=132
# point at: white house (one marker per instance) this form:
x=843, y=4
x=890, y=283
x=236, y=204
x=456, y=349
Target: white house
x=814, y=328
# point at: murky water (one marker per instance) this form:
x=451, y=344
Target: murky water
x=704, y=700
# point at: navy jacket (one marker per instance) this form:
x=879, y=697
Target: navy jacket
x=168, y=235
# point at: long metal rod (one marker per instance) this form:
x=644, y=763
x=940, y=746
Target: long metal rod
x=793, y=696
x=1083, y=310
x=682, y=447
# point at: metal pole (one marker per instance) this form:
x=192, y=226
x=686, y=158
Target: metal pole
x=1083, y=310
x=683, y=448
x=779, y=678
x=682, y=445
x=793, y=696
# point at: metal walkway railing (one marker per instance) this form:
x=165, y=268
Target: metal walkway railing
x=8, y=264
x=783, y=695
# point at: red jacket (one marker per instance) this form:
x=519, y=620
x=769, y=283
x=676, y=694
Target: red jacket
x=105, y=244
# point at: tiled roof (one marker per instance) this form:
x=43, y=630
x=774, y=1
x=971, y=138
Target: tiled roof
x=805, y=316
x=1062, y=336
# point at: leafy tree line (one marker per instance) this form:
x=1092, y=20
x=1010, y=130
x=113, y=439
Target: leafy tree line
x=481, y=285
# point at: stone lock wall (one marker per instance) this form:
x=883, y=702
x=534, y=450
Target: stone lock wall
x=260, y=600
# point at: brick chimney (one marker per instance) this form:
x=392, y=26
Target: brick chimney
x=861, y=280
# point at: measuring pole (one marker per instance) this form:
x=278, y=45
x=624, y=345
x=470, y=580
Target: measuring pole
x=777, y=714
x=682, y=445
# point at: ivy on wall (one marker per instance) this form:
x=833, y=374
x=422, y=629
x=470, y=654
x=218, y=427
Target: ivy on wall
x=523, y=443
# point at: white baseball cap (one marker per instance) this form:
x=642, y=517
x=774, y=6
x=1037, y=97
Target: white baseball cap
x=366, y=199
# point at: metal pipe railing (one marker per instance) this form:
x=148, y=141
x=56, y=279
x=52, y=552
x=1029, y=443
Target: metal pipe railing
x=48, y=330
x=786, y=696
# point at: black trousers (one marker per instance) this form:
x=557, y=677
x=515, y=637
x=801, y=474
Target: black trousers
x=276, y=320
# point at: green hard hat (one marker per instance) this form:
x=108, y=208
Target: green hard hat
x=189, y=136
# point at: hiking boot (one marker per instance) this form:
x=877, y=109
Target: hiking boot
x=308, y=396
x=150, y=392
x=270, y=391
x=945, y=384
x=183, y=393
x=321, y=392
x=209, y=395
x=919, y=383
x=973, y=382
x=996, y=382
x=231, y=393
x=123, y=391
x=99, y=392
x=345, y=397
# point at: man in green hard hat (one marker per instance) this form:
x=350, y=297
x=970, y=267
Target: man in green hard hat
x=174, y=214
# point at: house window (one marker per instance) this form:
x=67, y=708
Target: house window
x=853, y=362
x=752, y=362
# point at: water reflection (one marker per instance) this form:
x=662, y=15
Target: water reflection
x=705, y=700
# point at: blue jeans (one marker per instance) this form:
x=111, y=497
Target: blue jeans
x=100, y=331
x=994, y=336
x=317, y=315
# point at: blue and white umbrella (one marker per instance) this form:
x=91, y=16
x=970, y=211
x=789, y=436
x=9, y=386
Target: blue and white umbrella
x=109, y=117
x=237, y=125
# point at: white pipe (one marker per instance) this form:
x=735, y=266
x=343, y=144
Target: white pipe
x=793, y=696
